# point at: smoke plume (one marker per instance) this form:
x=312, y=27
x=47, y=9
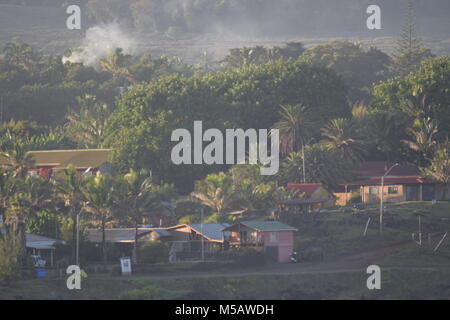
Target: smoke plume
x=99, y=42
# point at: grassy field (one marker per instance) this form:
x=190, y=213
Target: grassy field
x=395, y=284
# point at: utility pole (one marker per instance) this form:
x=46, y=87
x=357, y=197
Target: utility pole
x=202, y=237
x=77, y=257
x=381, y=196
x=303, y=165
x=77, y=262
x=420, y=232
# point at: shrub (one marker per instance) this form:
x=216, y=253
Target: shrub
x=153, y=252
x=189, y=219
x=147, y=293
x=9, y=258
x=152, y=292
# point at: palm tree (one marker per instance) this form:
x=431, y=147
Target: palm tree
x=340, y=134
x=294, y=128
x=8, y=187
x=87, y=127
x=100, y=192
x=16, y=216
x=30, y=196
x=69, y=188
x=439, y=168
x=360, y=112
x=215, y=191
x=17, y=159
x=139, y=197
x=385, y=127
x=325, y=165
x=417, y=107
x=423, y=135
x=116, y=64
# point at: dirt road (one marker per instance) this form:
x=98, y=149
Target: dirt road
x=349, y=263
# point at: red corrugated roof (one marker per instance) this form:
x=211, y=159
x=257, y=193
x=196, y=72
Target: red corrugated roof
x=371, y=169
x=390, y=180
x=307, y=188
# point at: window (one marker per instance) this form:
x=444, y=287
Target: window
x=273, y=237
x=373, y=190
x=392, y=190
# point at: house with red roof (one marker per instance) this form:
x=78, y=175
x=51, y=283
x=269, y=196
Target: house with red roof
x=401, y=183
x=314, y=195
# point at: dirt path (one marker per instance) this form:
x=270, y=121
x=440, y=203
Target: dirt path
x=349, y=263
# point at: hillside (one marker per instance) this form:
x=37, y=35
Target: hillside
x=45, y=27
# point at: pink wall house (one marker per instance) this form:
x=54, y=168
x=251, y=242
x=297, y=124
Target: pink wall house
x=276, y=238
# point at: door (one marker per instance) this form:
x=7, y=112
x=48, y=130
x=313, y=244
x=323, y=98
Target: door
x=412, y=193
x=272, y=253
x=428, y=192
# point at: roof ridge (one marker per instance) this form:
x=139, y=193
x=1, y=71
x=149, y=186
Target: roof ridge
x=71, y=150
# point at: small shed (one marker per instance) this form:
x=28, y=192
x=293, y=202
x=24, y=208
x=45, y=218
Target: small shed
x=42, y=246
x=275, y=237
x=122, y=240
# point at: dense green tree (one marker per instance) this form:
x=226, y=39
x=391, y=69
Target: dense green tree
x=140, y=130
x=360, y=68
x=439, y=168
x=243, y=57
x=22, y=54
x=430, y=80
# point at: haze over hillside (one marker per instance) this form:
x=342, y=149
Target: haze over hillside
x=184, y=27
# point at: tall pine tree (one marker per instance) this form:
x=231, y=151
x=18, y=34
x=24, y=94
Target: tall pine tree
x=410, y=50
